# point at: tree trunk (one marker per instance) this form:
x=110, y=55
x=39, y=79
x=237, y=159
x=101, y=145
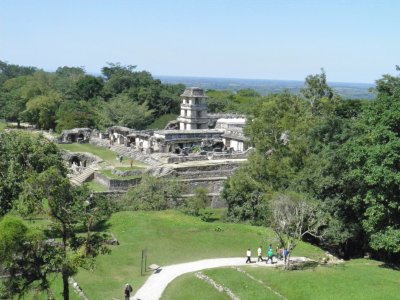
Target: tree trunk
x=64, y=272
x=65, y=285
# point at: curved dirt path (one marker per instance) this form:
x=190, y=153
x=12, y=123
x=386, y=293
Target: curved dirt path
x=157, y=282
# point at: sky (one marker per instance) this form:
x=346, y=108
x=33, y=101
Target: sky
x=354, y=41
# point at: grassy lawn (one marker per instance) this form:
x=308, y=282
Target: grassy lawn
x=57, y=288
x=170, y=237
x=105, y=154
x=3, y=125
x=189, y=287
x=356, y=279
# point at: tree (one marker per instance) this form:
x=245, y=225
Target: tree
x=88, y=87
x=316, y=88
x=41, y=110
x=153, y=194
x=372, y=158
x=27, y=258
x=121, y=110
x=78, y=114
x=294, y=217
x=8, y=71
x=196, y=203
x=68, y=208
x=245, y=197
x=23, y=155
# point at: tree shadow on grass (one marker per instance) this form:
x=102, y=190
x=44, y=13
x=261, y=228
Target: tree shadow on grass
x=103, y=225
x=394, y=267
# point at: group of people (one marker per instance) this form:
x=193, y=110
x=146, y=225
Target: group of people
x=280, y=253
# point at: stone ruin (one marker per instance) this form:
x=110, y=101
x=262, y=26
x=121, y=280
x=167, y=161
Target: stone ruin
x=217, y=140
x=76, y=135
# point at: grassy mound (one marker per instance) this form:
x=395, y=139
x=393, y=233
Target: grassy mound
x=170, y=237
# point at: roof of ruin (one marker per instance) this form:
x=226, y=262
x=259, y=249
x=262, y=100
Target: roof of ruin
x=235, y=137
x=75, y=130
x=193, y=131
x=194, y=92
x=232, y=120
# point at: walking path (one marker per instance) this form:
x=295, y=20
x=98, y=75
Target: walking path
x=157, y=282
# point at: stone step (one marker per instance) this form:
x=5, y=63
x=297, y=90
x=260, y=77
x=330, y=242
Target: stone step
x=82, y=177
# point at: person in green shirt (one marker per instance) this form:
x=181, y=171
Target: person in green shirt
x=270, y=255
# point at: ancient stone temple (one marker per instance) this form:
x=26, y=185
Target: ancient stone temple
x=193, y=110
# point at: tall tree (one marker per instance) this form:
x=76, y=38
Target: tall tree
x=68, y=208
x=21, y=156
x=316, y=88
x=121, y=110
x=8, y=71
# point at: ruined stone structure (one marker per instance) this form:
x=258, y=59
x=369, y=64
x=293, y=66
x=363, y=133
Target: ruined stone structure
x=203, y=152
x=76, y=135
x=193, y=110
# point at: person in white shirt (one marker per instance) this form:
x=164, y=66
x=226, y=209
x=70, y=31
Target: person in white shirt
x=248, y=254
x=259, y=251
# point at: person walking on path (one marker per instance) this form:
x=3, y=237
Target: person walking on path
x=248, y=254
x=285, y=255
x=128, y=290
x=259, y=253
x=270, y=255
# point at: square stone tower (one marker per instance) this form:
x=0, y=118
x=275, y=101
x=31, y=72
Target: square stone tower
x=193, y=110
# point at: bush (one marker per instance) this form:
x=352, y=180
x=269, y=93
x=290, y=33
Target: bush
x=196, y=203
x=153, y=194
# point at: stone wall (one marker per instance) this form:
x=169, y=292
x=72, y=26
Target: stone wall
x=213, y=185
x=208, y=156
x=127, y=173
x=116, y=184
x=82, y=157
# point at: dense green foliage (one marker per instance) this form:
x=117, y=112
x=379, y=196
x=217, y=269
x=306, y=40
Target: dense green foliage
x=23, y=156
x=153, y=194
x=340, y=154
x=33, y=184
x=242, y=101
x=70, y=98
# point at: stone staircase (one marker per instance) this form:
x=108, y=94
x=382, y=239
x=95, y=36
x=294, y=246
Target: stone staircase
x=80, y=178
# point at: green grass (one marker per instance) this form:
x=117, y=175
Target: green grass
x=95, y=186
x=240, y=284
x=169, y=237
x=356, y=279
x=105, y=154
x=57, y=288
x=3, y=125
x=129, y=168
x=188, y=287
x=162, y=121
